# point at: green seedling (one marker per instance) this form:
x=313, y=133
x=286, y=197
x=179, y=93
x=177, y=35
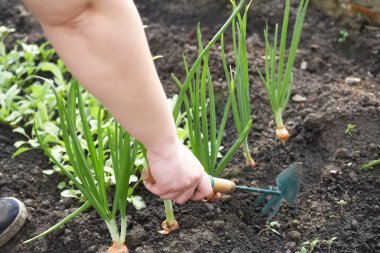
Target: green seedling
x=350, y=129
x=18, y=67
x=8, y=108
x=4, y=32
x=330, y=242
x=278, y=78
x=343, y=35
x=271, y=227
x=375, y=50
x=302, y=250
x=341, y=204
x=88, y=164
x=312, y=244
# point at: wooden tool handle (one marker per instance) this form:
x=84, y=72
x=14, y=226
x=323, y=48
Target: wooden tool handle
x=147, y=176
x=222, y=185
x=218, y=184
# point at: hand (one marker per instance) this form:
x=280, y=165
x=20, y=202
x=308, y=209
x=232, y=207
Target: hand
x=178, y=174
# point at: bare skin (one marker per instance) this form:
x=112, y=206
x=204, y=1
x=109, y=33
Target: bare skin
x=103, y=44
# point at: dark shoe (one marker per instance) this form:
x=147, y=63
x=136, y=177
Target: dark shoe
x=12, y=217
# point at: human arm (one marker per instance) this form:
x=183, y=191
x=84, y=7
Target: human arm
x=104, y=46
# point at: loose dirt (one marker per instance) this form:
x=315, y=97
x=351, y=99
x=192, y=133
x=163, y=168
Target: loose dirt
x=331, y=158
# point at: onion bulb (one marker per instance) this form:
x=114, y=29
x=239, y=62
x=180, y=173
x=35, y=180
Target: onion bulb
x=118, y=248
x=250, y=162
x=168, y=228
x=282, y=134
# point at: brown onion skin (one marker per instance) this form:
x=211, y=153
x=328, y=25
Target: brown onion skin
x=118, y=248
x=282, y=134
x=165, y=226
x=251, y=163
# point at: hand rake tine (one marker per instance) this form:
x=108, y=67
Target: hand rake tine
x=275, y=210
x=271, y=202
x=261, y=198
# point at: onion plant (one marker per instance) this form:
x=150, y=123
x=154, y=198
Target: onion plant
x=88, y=165
x=240, y=103
x=170, y=223
x=278, y=75
x=200, y=58
x=200, y=108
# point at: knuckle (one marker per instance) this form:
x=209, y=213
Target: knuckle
x=181, y=201
x=187, y=183
x=198, y=176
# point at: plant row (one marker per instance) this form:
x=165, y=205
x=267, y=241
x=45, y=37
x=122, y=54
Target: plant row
x=88, y=146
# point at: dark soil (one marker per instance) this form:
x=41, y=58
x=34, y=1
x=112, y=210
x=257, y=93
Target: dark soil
x=331, y=158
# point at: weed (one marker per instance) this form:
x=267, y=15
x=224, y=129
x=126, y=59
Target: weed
x=271, y=227
x=343, y=35
x=350, y=129
x=342, y=203
x=312, y=244
x=330, y=242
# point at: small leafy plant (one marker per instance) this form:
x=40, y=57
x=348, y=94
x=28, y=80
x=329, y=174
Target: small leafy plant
x=343, y=35
x=302, y=250
x=330, y=242
x=89, y=165
x=271, y=226
x=278, y=78
x=27, y=99
x=312, y=243
x=350, y=129
x=341, y=204
x=23, y=97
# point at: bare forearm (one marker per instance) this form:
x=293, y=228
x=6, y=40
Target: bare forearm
x=106, y=50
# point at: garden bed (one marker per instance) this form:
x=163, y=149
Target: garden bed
x=331, y=158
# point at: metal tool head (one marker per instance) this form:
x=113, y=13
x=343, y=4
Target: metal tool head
x=288, y=184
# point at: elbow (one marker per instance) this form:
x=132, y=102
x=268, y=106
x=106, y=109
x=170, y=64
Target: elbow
x=69, y=14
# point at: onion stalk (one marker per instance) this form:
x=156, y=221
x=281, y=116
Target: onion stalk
x=170, y=224
x=278, y=78
x=241, y=107
x=371, y=164
x=200, y=58
x=200, y=108
x=88, y=164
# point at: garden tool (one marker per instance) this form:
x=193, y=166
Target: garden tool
x=287, y=187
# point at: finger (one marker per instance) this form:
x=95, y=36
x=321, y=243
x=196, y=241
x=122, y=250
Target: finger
x=153, y=188
x=197, y=196
x=175, y=194
x=203, y=189
x=214, y=197
x=170, y=196
x=185, y=196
